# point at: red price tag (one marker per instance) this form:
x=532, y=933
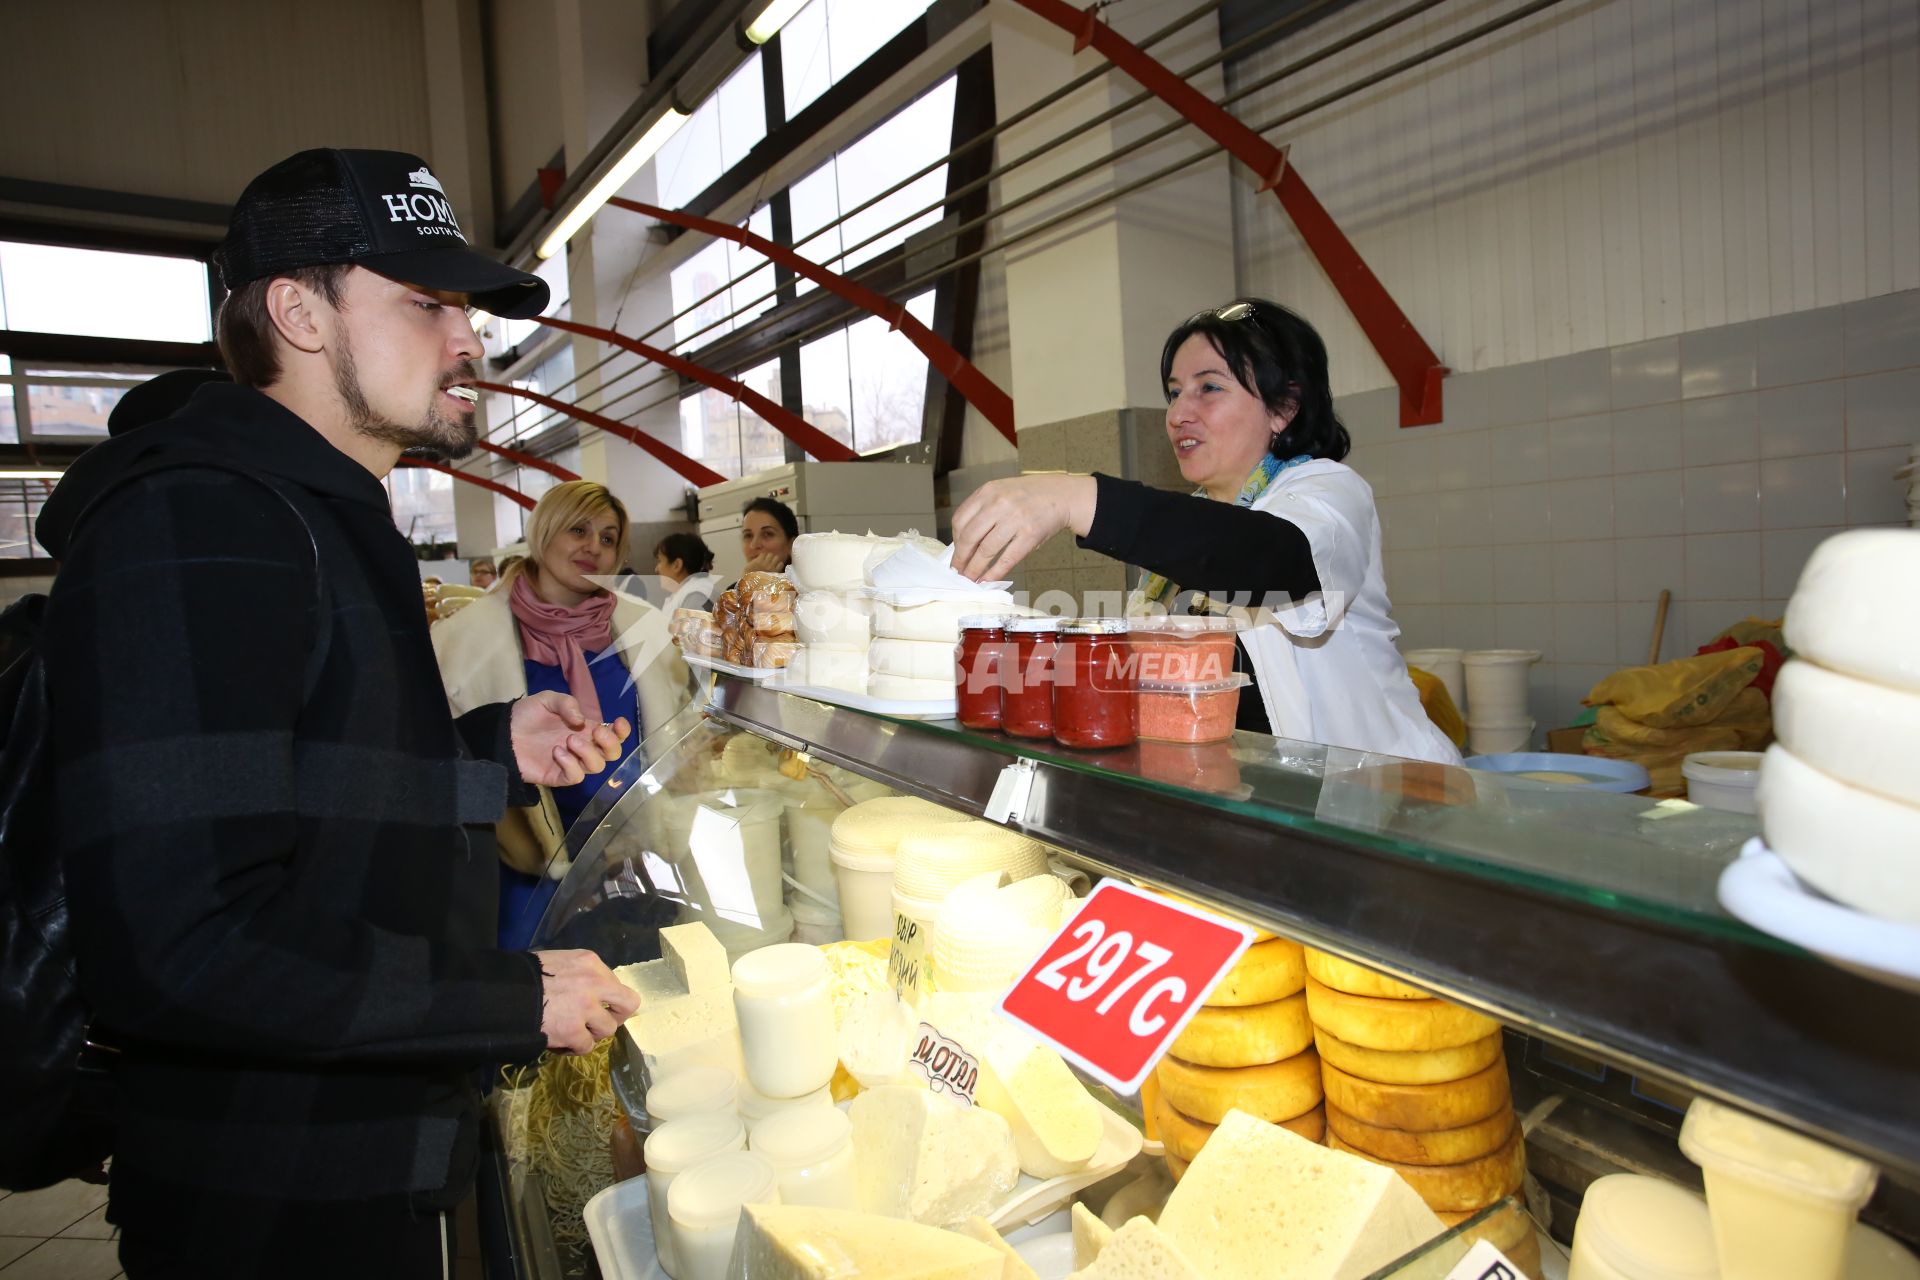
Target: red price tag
x=1122, y=979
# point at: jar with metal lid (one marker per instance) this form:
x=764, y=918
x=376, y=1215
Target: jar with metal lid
x=1093, y=686
x=1026, y=696
x=977, y=663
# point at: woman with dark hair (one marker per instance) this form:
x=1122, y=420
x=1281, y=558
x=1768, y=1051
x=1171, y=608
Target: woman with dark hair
x=685, y=564
x=767, y=530
x=1278, y=526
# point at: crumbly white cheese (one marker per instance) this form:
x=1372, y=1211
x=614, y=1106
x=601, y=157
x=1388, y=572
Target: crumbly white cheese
x=795, y=1242
x=928, y=1159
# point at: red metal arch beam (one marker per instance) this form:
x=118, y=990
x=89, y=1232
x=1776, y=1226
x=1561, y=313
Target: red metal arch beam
x=1408, y=357
x=788, y=423
x=693, y=472
x=981, y=391
x=528, y=460
x=467, y=476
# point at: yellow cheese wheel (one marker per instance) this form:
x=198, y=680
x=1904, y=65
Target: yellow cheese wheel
x=1274, y=1092
x=1265, y=972
x=1436, y=1146
x=1398, y=1025
x=1415, y=1066
x=1418, y=1108
x=1355, y=979
x=1176, y=1166
x=1149, y=1100
x=1510, y=1230
x=1247, y=1036
x=1181, y=1135
x=1472, y=1185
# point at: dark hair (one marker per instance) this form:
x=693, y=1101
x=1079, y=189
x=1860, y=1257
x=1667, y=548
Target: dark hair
x=1277, y=356
x=779, y=510
x=244, y=329
x=688, y=549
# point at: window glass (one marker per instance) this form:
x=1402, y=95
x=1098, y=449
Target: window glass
x=55, y=289
x=829, y=38
x=889, y=380
x=422, y=504
x=742, y=106
x=9, y=424
x=703, y=274
x=554, y=272
x=515, y=417
x=826, y=394
x=710, y=430
x=753, y=272
x=718, y=136
x=761, y=444
x=69, y=410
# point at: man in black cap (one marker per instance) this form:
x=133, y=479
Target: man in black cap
x=276, y=840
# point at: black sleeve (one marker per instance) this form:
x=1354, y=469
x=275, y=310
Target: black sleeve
x=1200, y=544
x=488, y=733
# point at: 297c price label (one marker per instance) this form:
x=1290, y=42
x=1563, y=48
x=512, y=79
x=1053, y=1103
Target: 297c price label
x=1121, y=979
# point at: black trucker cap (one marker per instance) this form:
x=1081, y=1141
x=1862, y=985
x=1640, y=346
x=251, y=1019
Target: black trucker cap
x=382, y=210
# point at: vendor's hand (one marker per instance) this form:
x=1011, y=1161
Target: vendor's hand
x=1004, y=520
x=765, y=562
x=553, y=744
x=581, y=1002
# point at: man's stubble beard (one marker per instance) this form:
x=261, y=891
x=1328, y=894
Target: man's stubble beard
x=441, y=436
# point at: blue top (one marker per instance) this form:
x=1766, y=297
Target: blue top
x=618, y=697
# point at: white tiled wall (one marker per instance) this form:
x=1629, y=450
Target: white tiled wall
x=1559, y=497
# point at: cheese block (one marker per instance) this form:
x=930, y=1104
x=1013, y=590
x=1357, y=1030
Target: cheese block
x=1420, y=1108
x=796, y=1242
x=1855, y=610
x=833, y=561
x=1855, y=846
x=914, y=659
x=1090, y=1236
x=900, y=689
x=1377, y=1023
x=1265, y=972
x=932, y=620
x=696, y=958
x=1183, y=1136
x=922, y=1157
x=1274, y=1091
x=1012, y=1265
x=824, y=668
x=1247, y=1036
x=1867, y=735
x=1056, y=1123
x=1139, y=1250
x=676, y=1027
x=1260, y=1201
x=1434, y=1146
x=1412, y=1066
x=1474, y=1184
x=1354, y=979
x=832, y=620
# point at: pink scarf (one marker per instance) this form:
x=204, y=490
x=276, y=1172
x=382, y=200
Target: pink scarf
x=560, y=637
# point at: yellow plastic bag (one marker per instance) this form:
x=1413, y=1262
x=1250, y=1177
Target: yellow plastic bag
x=1679, y=694
x=1748, y=716
x=1438, y=704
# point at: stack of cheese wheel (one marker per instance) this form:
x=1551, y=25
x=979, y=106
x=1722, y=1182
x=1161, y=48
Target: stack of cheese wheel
x=1839, y=796
x=831, y=617
x=1417, y=1084
x=1249, y=1047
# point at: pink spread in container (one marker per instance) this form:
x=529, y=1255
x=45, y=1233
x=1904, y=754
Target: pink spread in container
x=1199, y=711
x=1178, y=650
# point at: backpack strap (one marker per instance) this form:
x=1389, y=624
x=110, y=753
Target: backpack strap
x=322, y=641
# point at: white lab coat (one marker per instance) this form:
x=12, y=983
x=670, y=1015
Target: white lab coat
x=1327, y=666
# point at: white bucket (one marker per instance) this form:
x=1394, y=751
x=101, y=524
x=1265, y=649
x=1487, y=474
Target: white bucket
x=1446, y=666
x=1497, y=737
x=866, y=893
x=1723, y=779
x=814, y=923
x=922, y=911
x=1497, y=683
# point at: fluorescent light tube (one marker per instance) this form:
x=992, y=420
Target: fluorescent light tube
x=772, y=18
x=612, y=180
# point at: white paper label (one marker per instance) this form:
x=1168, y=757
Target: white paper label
x=946, y=1066
x=1484, y=1262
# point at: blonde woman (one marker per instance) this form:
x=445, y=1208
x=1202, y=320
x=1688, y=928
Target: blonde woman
x=550, y=624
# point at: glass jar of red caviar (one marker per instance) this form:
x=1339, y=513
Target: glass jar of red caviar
x=1026, y=692
x=977, y=663
x=1093, y=700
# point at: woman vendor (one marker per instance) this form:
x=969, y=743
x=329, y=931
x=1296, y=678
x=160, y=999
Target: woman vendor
x=1278, y=525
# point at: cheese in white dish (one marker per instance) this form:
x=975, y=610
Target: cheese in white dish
x=928, y=1159
x=1056, y=1123
x=1853, y=845
x=1139, y=1250
x=790, y=1242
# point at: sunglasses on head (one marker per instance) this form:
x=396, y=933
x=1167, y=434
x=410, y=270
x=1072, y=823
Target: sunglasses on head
x=1232, y=311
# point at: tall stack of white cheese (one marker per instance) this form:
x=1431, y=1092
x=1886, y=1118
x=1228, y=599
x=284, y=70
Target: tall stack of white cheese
x=1839, y=795
x=832, y=617
x=686, y=1016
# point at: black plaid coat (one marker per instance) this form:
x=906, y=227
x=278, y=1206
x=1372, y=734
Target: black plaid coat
x=283, y=901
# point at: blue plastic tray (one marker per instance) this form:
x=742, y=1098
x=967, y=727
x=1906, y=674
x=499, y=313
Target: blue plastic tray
x=1608, y=775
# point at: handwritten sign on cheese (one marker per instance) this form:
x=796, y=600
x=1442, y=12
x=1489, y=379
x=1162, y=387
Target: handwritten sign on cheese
x=1122, y=978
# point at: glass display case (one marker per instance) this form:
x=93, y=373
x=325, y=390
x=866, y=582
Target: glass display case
x=1585, y=922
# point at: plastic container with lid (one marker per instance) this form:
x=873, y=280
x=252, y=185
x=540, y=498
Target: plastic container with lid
x=1026, y=698
x=1723, y=779
x=693, y=1091
x=861, y=847
x=1873, y=1255
x=977, y=662
x=1781, y=1204
x=703, y=1210
x=1199, y=712
x=930, y=863
x=811, y=1151
x=673, y=1148
x=1446, y=666
x=1500, y=736
x=1177, y=650
x=1497, y=682
x=783, y=997
x=1633, y=1227
x=756, y=1107
x=1093, y=685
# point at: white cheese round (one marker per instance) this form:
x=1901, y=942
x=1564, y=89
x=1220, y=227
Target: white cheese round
x=824, y=667
x=1853, y=845
x=831, y=561
x=833, y=619
x=1862, y=733
x=914, y=659
x=930, y=862
x=902, y=689
x=933, y=619
x=1856, y=608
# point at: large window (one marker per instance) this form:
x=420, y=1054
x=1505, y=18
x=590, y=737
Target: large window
x=511, y=333
x=723, y=129
x=20, y=502
x=866, y=386
x=728, y=436
x=422, y=505
x=708, y=271
x=62, y=403
x=829, y=38
x=95, y=293
x=509, y=517
x=517, y=418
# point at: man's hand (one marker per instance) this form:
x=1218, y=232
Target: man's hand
x=1002, y=521
x=555, y=746
x=581, y=1002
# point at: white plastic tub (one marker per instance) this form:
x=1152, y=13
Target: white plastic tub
x=1497, y=683
x=1638, y=1228
x=1723, y=779
x=866, y=893
x=1499, y=735
x=1447, y=666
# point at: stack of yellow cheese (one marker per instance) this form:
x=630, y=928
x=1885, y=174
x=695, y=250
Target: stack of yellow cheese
x=1250, y=1048
x=1417, y=1084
